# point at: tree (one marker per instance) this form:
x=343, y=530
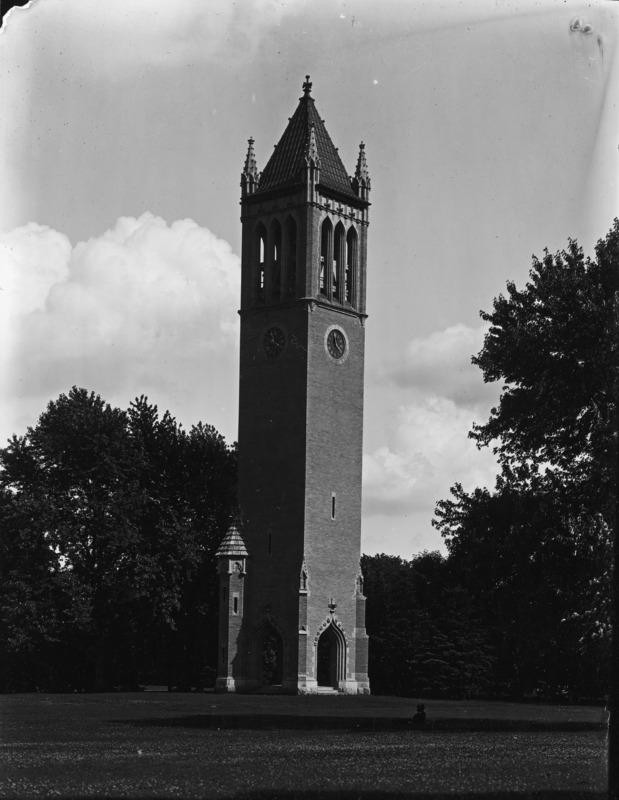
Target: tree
x=555, y=344
x=189, y=487
x=76, y=467
x=111, y=523
x=425, y=639
x=538, y=547
x=537, y=578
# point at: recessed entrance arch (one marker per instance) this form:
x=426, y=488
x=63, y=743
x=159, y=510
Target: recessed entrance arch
x=330, y=657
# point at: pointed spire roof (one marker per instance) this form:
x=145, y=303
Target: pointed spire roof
x=287, y=164
x=232, y=544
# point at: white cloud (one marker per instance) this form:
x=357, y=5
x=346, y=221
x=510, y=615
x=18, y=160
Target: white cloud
x=440, y=364
x=144, y=308
x=427, y=452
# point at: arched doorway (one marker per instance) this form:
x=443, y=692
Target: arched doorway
x=330, y=657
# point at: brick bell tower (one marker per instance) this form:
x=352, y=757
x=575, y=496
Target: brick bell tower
x=292, y=605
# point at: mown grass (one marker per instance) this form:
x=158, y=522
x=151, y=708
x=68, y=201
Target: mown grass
x=156, y=745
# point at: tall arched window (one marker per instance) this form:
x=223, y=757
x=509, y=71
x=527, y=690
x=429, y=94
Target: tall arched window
x=276, y=260
x=337, y=266
x=350, y=282
x=291, y=256
x=260, y=269
x=326, y=259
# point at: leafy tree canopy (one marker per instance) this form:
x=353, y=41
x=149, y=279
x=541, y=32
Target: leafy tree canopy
x=555, y=345
x=112, y=518
x=535, y=553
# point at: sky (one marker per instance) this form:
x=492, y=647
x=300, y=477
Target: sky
x=490, y=132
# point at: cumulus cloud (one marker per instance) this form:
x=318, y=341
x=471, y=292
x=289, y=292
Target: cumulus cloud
x=428, y=450
x=143, y=308
x=440, y=364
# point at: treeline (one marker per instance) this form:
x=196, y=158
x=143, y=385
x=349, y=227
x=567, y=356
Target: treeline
x=521, y=604
x=510, y=623
x=110, y=523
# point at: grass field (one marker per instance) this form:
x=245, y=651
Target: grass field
x=156, y=745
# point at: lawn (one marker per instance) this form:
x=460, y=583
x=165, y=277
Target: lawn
x=156, y=745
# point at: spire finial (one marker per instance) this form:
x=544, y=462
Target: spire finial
x=307, y=86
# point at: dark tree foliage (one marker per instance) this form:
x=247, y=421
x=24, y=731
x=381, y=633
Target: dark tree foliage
x=110, y=521
x=535, y=554
x=539, y=580
x=425, y=640
x=555, y=345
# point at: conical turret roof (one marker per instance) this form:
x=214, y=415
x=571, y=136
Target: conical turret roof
x=232, y=544
x=287, y=164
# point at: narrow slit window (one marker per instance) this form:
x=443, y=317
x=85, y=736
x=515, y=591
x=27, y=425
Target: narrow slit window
x=235, y=604
x=333, y=506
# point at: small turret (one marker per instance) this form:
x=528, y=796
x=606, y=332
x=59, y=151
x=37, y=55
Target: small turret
x=361, y=181
x=232, y=567
x=250, y=177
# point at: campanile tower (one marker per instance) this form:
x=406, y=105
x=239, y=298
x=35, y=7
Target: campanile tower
x=293, y=609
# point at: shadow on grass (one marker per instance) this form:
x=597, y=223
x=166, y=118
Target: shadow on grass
x=360, y=724
x=375, y=795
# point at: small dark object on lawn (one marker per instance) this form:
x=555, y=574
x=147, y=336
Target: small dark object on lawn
x=420, y=716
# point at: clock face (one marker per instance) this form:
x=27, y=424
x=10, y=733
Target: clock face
x=336, y=344
x=273, y=342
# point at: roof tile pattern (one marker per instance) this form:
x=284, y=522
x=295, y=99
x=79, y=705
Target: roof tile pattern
x=232, y=544
x=287, y=164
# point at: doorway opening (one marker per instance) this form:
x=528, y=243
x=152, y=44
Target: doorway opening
x=330, y=658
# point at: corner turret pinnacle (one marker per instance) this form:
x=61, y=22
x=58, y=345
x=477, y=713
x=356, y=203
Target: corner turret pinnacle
x=361, y=180
x=250, y=176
